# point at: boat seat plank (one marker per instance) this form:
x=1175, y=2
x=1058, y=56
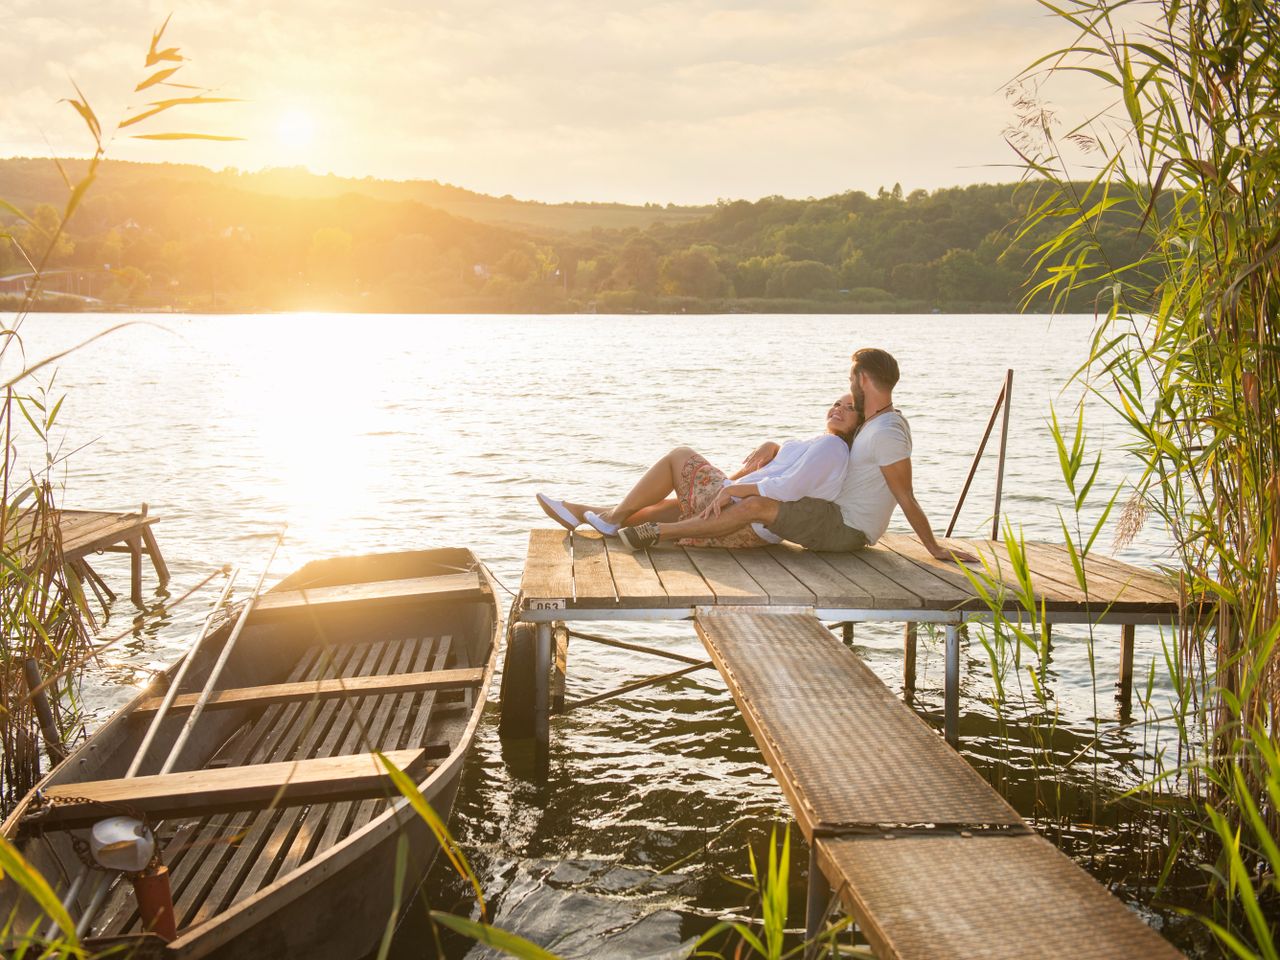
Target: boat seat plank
x=445, y=587
x=202, y=792
x=370, y=686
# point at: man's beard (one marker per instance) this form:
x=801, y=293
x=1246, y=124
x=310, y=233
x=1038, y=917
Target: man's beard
x=859, y=399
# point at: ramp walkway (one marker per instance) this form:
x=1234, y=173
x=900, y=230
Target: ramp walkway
x=920, y=850
x=927, y=857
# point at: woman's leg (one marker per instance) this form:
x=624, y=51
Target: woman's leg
x=666, y=511
x=652, y=490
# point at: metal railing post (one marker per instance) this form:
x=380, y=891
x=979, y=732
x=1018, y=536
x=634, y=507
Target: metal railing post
x=1007, y=394
x=1002, y=403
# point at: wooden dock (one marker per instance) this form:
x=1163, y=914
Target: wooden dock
x=582, y=576
x=85, y=532
x=925, y=855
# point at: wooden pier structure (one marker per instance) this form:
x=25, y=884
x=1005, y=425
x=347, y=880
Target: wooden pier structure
x=84, y=532
x=920, y=850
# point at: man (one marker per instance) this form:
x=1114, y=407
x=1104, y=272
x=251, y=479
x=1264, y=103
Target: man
x=877, y=480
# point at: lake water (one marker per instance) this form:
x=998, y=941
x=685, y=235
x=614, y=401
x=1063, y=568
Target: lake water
x=369, y=433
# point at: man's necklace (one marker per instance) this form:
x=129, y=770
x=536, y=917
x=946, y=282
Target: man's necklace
x=865, y=420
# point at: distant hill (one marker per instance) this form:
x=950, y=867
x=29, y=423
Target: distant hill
x=27, y=182
x=186, y=237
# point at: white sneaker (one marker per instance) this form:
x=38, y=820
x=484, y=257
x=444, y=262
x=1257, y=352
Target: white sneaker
x=601, y=524
x=555, y=509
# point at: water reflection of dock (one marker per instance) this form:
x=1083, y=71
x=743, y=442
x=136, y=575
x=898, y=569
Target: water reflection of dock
x=920, y=850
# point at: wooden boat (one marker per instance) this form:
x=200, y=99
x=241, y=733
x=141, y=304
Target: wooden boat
x=278, y=829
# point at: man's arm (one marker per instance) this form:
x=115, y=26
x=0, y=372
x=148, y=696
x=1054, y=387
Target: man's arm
x=757, y=458
x=898, y=477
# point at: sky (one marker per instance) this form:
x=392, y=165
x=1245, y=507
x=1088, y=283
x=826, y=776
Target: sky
x=684, y=102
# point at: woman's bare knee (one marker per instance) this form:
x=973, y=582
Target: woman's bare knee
x=678, y=457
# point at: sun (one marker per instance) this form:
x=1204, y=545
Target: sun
x=296, y=129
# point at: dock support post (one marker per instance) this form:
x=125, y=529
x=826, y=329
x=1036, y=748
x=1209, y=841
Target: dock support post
x=1125, y=693
x=560, y=663
x=135, y=570
x=153, y=551
x=542, y=685
x=909, y=661
x=818, y=899
x=846, y=632
x=951, y=692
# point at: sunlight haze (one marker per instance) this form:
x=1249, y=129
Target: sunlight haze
x=664, y=102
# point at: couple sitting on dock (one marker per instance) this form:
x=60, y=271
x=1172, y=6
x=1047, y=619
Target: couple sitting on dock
x=834, y=492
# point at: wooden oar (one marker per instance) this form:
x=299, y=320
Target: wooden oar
x=223, y=656
x=172, y=692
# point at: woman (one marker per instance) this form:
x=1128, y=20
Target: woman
x=797, y=468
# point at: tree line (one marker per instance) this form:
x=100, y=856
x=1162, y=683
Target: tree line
x=170, y=237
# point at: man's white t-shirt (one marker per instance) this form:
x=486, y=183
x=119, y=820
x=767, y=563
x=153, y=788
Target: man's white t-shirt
x=865, y=501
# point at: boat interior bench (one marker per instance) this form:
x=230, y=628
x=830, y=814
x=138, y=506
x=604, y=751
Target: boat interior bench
x=322, y=690
x=452, y=586
x=221, y=859
x=925, y=855
x=197, y=793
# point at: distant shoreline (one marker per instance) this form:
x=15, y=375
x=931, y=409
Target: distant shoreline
x=660, y=306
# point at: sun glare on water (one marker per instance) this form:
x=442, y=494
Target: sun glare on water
x=316, y=408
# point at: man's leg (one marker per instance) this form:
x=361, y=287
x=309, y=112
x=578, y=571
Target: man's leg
x=731, y=519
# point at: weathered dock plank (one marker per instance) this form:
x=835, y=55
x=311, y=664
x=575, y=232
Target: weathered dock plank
x=828, y=586
x=725, y=576
x=592, y=581
x=638, y=583
x=548, y=567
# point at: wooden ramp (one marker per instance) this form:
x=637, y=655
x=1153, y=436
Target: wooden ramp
x=927, y=857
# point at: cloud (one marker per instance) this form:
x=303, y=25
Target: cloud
x=684, y=101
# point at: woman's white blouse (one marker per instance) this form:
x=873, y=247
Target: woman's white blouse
x=803, y=468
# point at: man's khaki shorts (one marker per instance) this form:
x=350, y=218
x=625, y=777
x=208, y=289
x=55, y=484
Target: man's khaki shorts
x=816, y=525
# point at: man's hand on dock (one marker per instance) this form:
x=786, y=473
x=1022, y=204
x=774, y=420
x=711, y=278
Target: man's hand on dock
x=941, y=551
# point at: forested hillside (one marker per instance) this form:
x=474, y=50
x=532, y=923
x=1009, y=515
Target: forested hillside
x=181, y=237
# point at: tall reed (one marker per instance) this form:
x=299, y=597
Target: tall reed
x=44, y=616
x=1186, y=350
